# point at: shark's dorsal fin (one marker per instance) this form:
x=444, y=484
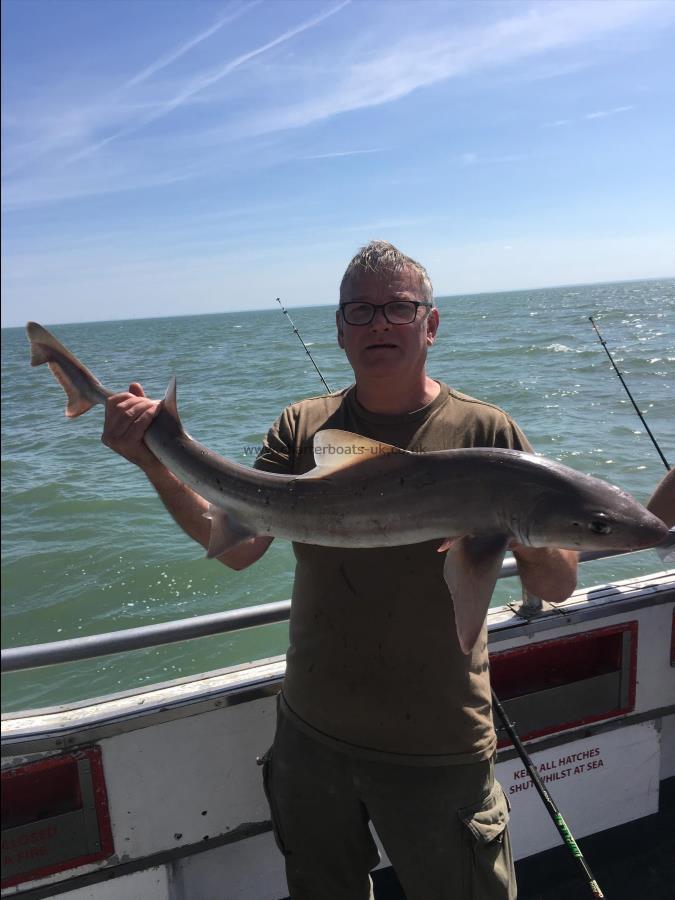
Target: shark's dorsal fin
x=335, y=450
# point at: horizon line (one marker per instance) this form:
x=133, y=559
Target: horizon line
x=225, y=312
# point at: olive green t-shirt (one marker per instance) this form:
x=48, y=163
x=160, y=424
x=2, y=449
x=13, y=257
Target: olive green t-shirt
x=374, y=665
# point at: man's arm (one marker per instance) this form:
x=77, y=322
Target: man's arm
x=546, y=572
x=127, y=418
x=662, y=501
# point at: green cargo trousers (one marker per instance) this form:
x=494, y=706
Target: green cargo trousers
x=443, y=827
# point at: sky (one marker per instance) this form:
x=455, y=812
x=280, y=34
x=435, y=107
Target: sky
x=168, y=157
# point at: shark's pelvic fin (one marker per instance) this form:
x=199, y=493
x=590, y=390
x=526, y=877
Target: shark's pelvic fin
x=226, y=532
x=470, y=571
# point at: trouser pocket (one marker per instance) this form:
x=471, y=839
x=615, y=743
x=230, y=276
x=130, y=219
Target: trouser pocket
x=267, y=763
x=490, y=873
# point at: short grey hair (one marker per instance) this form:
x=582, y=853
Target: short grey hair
x=380, y=257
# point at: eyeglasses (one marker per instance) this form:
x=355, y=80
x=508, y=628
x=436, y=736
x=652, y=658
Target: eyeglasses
x=396, y=312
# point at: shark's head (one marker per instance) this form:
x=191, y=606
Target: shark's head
x=590, y=514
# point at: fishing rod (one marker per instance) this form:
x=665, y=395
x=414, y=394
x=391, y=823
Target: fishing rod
x=509, y=727
x=296, y=332
x=635, y=406
x=547, y=800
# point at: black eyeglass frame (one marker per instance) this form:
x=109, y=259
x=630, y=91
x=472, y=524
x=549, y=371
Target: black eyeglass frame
x=374, y=307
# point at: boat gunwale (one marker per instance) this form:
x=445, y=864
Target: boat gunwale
x=62, y=728
x=17, y=659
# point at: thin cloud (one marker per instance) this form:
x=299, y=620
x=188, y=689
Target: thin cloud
x=339, y=153
x=427, y=59
x=171, y=57
x=206, y=80
x=600, y=114
x=604, y=113
x=315, y=87
x=472, y=159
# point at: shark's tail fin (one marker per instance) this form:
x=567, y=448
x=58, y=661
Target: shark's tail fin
x=82, y=388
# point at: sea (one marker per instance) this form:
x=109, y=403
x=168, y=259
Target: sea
x=87, y=546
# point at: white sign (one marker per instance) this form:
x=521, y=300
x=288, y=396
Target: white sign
x=597, y=783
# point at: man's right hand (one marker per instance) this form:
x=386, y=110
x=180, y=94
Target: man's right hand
x=127, y=417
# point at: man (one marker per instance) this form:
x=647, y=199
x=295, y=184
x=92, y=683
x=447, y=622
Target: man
x=662, y=501
x=382, y=718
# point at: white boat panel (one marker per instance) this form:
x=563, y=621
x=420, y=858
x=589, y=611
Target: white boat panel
x=186, y=781
x=249, y=870
x=599, y=782
x=151, y=884
x=655, y=675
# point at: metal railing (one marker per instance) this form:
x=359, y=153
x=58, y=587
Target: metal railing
x=34, y=656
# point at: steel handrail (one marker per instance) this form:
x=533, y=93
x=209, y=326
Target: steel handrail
x=34, y=656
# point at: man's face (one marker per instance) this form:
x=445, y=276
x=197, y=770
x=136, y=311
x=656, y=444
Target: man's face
x=381, y=349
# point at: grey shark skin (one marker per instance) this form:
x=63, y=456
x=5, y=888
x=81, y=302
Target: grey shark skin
x=366, y=494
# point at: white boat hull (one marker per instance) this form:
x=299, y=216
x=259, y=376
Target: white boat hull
x=187, y=813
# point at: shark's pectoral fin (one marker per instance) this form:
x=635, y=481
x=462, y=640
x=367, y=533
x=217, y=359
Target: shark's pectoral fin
x=226, y=532
x=471, y=569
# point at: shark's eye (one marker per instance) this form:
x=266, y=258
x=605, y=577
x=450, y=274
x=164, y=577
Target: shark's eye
x=600, y=524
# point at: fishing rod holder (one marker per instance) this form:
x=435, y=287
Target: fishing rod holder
x=530, y=607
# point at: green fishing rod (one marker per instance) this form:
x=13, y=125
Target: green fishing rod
x=625, y=387
x=547, y=800
x=510, y=729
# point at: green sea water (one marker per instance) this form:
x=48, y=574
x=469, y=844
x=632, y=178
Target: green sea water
x=87, y=547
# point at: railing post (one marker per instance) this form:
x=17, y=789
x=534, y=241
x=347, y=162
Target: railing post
x=531, y=607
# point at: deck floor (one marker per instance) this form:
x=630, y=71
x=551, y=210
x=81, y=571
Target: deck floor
x=633, y=860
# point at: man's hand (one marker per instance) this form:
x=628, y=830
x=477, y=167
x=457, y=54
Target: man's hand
x=662, y=501
x=127, y=417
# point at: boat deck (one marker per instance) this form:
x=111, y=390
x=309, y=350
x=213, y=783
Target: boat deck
x=632, y=860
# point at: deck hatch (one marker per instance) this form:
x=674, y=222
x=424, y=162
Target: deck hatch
x=54, y=816
x=555, y=685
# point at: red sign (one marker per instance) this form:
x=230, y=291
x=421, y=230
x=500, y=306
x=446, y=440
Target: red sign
x=54, y=816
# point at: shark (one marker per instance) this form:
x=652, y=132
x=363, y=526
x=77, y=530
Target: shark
x=364, y=493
